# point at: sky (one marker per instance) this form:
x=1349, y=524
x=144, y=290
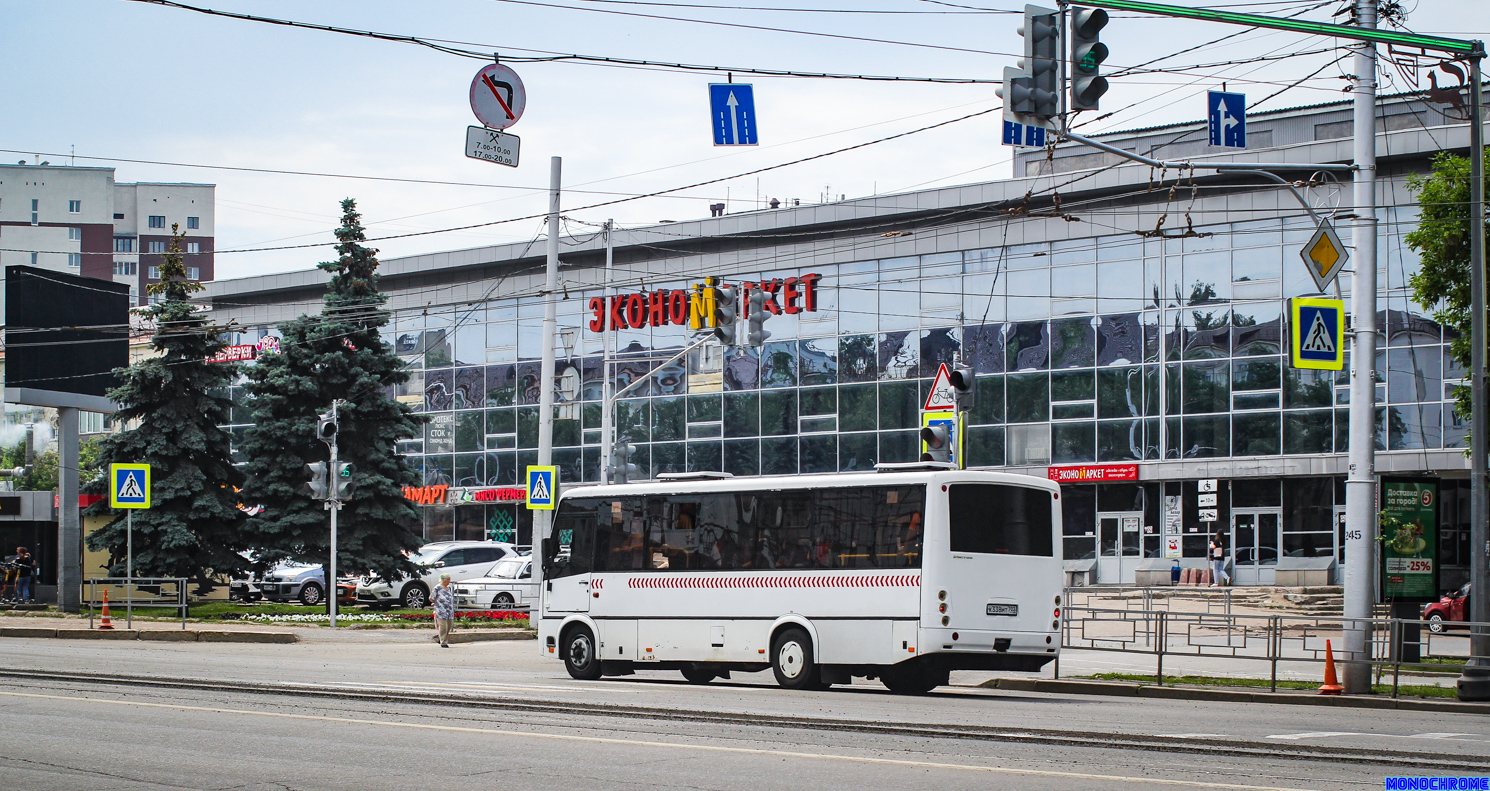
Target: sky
x=133, y=80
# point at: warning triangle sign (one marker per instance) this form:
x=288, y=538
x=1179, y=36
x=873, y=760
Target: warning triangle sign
x=1319, y=338
x=942, y=397
x=131, y=488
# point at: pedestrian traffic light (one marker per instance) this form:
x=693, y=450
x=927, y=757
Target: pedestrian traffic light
x=341, y=485
x=622, y=470
x=1041, y=62
x=937, y=439
x=726, y=314
x=326, y=428
x=319, y=486
x=1087, y=54
x=964, y=387
x=755, y=319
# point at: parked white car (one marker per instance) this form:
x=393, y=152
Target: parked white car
x=509, y=584
x=460, y=559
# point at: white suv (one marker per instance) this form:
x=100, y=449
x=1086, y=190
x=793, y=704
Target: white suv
x=509, y=584
x=460, y=559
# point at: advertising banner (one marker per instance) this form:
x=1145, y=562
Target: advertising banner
x=1409, y=540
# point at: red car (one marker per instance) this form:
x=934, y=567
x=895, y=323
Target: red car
x=346, y=590
x=1453, y=607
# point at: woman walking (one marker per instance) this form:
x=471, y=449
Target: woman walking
x=443, y=600
x=1217, y=553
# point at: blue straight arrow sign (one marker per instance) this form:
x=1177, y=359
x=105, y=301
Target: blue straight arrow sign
x=1226, y=115
x=732, y=106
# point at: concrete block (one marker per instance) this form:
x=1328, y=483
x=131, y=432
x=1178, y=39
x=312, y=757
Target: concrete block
x=27, y=631
x=245, y=637
x=169, y=635
x=96, y=634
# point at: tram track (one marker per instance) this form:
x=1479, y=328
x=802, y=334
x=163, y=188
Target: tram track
x=1199, y=745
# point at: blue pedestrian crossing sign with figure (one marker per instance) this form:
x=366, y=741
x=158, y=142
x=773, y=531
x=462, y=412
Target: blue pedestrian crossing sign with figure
x=732, y=107
x=129, y=486
x=1317, y=333
x=542, y=488
x=1227, y=114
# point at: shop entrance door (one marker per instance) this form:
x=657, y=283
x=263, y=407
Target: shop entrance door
x=1254, y=546
x=1119, y=545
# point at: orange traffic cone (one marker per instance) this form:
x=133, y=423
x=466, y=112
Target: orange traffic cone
x=105, y=623
x=1331, y=684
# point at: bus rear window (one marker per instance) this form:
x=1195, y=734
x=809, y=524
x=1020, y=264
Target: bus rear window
x=1000, y=520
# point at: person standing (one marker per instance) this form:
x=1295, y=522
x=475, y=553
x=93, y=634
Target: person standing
x=443, y=600
x=1218, y=562
x=25, y=572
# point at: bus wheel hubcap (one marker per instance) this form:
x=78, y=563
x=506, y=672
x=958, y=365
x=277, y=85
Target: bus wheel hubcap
x=791, y=660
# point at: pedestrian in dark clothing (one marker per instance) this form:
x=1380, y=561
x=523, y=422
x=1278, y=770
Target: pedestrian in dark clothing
x=26, y=571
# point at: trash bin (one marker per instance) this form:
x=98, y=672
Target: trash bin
x=1174, y=573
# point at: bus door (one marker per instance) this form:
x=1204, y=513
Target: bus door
x=568, y=555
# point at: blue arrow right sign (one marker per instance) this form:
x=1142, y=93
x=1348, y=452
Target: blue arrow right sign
x=1227, y=114
x=732, y=106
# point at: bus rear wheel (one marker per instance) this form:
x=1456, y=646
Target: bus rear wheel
x=913, y=680
x=792, y=661
x=580, y=657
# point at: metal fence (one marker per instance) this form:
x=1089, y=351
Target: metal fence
x=1181, y=626
x=139, y=592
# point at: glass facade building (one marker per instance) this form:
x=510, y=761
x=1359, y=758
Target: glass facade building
x=1163, y=350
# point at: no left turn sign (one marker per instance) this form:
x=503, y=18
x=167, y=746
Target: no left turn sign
x=498, y=96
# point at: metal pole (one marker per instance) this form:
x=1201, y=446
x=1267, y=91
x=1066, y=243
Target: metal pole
x=606, y=422
x=335, y=503
x=1474, y=684
x=543, y=520
x=69, y=532
x=129, y=568
x=1360, y=485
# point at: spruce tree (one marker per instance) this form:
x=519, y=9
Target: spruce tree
x=179, y=400
x=337, y=355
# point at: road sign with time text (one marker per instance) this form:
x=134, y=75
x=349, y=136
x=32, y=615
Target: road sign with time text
x=732, y=110
x=1324, y=255
x=1316, y=333
x=543, y=485
x=1227, y=117
x=498, y=97
x=129, y=486
x=491, y=145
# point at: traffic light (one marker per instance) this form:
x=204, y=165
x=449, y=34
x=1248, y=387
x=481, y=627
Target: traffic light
x=621, y=468
x=1041, y=63
x=964, y=386
x=319, y=486
x=1087, y=54
x=341, y=485
x=938, y=441
x=326, y=428
x=755, y=319
x=726, y=313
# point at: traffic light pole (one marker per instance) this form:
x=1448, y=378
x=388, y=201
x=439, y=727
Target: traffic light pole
x=543, y=519
x=606, y=383
x=334, y=504
x=1474, y=684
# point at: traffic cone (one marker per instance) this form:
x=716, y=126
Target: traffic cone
x=1331, y=684
x=105, y=623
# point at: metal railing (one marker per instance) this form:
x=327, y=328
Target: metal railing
x=1218, y=600
x=167, y=592
x=1394, y=644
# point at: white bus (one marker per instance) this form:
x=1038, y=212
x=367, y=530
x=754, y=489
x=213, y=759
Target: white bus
x=900, y=575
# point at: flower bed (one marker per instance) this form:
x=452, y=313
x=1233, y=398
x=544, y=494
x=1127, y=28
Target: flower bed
x=464, y=616
x=472, y=616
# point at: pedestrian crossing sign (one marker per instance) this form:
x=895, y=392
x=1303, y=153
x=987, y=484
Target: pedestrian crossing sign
x=1317, y=333
x=542, y=488
x=129, y=486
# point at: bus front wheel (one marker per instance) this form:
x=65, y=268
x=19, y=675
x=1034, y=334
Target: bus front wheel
x=580, y=657
x=792, y=661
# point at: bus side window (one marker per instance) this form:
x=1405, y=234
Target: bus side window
x=575, y=518
x=619, y=539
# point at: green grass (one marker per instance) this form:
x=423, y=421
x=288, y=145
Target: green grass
x=1409, y=690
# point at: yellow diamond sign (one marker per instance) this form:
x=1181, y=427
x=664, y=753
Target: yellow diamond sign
x=1324, y=256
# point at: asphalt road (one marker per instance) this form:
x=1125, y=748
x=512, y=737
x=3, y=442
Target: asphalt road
x=368, y=711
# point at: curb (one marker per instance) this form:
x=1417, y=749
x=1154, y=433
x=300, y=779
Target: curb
x=158, y=635
x=1235, y=696
x=488, y=636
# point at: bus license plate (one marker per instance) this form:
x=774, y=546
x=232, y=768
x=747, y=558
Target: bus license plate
x=1003, y=609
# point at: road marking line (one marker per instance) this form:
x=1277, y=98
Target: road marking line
x=668, y=745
